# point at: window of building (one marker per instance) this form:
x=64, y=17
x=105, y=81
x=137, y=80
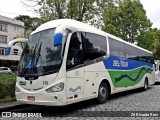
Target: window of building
x=94, y=46
x=2, y=51
x=3, y=27
x=3, y=39
x=116, y=48
x=16, y=28
x=15, y=51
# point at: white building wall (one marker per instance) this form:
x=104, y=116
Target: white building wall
x=14, y=28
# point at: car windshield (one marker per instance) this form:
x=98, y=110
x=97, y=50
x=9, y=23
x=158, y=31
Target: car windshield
x=40, y=56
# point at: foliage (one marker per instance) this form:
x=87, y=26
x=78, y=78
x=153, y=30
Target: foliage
x=28, y=33
x=13, y=68
x=126, y=19
x=29, y=23
x=149, y=39
x=123, y=18
x=7, y=86
x=81, y=10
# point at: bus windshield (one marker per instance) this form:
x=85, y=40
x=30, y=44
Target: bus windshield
x=40, y=56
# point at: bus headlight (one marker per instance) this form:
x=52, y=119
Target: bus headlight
x=56, y=88
x=17, y=89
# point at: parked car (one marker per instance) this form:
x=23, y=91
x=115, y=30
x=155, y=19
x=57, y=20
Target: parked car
x=5, y=70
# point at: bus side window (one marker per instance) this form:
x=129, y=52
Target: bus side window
x=94, y=46
x=131, y=52
x=116, y=48
x=74, y=57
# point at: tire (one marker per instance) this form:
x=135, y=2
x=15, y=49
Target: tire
x=102, y=93
x=145, y=85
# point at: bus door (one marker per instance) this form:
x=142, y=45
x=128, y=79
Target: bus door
x=75, y=69
x=94, y=48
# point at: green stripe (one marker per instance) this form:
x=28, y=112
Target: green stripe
x=128, y=78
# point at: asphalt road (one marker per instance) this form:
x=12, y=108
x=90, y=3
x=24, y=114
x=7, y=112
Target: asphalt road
x=134, y=104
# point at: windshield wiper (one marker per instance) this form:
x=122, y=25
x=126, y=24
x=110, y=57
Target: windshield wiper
x=24, y=69
x=33, y=59
x=37, y=54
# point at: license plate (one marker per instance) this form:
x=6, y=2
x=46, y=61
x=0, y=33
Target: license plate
x=31, y=98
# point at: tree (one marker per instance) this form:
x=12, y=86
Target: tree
x=29, y=23
x=80, y=10
x=123, y=18
x=126, y=19
x=149, y=39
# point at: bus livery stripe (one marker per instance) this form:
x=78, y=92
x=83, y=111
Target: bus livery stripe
x=117, y=63
x=126, y=72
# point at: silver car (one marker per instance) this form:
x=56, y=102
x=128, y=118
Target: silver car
x=5, y=70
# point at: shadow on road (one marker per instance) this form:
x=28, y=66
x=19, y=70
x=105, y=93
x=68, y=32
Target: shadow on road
x=157, y=83
x=127, y=93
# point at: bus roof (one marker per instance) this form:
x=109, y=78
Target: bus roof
x=81, y=27
x=71, y=23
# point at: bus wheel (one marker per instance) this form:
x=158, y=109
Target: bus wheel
x=102, y=93
x=145, y=85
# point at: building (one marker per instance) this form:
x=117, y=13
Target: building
x=9, y=30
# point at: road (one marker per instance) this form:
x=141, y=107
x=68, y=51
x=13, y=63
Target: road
x=134, y=102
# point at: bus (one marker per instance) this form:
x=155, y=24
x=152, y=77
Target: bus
x=66, y=61
x=157, y=70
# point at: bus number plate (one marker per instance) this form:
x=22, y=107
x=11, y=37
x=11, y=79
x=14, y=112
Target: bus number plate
x=31, y=98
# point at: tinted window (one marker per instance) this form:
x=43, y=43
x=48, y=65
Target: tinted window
x=116, y=48
x=131, y=52
x=75, y=56
x=145, y=56
x=95, y=46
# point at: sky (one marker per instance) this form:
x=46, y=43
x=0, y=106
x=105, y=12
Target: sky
x=13, y=8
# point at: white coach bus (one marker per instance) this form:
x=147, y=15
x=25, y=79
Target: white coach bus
x=157, y=70
x=66, y=61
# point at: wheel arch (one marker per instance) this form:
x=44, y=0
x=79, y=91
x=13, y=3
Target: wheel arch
x=107, y=83
x=146, y=79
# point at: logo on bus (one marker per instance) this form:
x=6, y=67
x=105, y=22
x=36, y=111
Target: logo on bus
x=74, y=90
x=120, y=63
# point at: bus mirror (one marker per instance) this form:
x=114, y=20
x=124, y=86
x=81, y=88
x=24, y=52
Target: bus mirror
x=58, y=39
x=13, y=42
x=58, y=35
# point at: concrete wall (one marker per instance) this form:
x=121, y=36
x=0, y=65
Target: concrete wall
x=14, y=28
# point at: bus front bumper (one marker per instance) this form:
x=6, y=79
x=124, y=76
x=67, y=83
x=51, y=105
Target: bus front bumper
x=41, y=99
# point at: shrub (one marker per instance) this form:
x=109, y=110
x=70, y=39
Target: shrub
x=7, y=86
x=13, y=68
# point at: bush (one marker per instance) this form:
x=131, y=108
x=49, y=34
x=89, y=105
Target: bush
x=7, y=86
x=13, y=68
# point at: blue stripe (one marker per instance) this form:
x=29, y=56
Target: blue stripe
x=123, y=64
